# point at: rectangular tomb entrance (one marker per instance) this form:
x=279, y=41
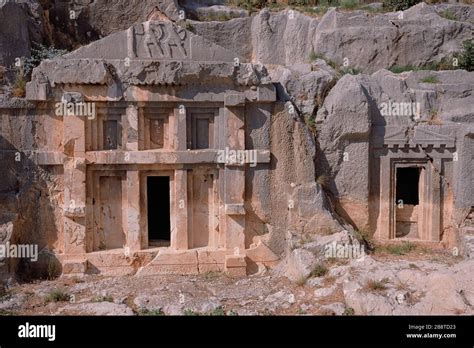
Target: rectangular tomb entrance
x=413, y=168
x=409, y=209
x=158, y=204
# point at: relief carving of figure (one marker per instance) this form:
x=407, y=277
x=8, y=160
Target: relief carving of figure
x=163, y=40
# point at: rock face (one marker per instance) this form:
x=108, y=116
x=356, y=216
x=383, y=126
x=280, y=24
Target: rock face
x=409, y=291
x=70, y=24
x=289, y=37
x=74, y=23
x=344, y=146
x=353, y=112
x=337, y=154
x=305, y=85
x=16, y=32
x=331, y=146
x=459, y=12
x=399, y=39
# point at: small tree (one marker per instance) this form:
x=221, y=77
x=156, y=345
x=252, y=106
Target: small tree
x=38, y=54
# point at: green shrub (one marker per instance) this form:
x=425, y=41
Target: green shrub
x=349, y=4
x=154, y=312
x=396, y=69
x=466, y=59
x=58, y=295
x=311, y=123
x=312, y=56
x=444, y=64
x=190, y=313
x=348, y=70
x=38, y=54
x=400, y=249
x=331, y=3
x=348, y=311
x=218, y=312
x=430, y=79
x=104, y=298
x=399, y=5
x=188, y=26
x=448, y=14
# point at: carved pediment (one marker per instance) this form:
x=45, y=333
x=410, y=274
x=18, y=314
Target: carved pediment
x=398, y=137
x=425, y=138
x=156, y=41
x=409, y=137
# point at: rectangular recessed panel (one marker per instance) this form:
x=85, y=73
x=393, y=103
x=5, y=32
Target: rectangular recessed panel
x=110, y=135
x=202, y=205
x=112, y=235
x=157, y=133
x=202, y=133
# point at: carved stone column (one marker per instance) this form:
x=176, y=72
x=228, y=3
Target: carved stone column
x=234, y=175
x=179, y=232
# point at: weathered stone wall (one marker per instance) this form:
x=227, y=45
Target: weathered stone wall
x=31, y=196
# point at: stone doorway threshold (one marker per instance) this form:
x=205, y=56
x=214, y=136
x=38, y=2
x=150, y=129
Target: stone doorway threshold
x=163, y=260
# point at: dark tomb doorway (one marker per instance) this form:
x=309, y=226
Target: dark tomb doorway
x=159, y=223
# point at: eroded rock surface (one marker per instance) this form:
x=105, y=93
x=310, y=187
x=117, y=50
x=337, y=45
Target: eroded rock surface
x=415, y=286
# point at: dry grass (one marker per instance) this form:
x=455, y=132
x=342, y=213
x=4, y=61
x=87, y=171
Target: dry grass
x=323, y=180
x=376, y=285
x=400, y=286
x=434, y=119
x=301, y=281
x=320, y=270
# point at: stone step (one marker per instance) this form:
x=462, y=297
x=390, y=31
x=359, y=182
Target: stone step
x=108, y=263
